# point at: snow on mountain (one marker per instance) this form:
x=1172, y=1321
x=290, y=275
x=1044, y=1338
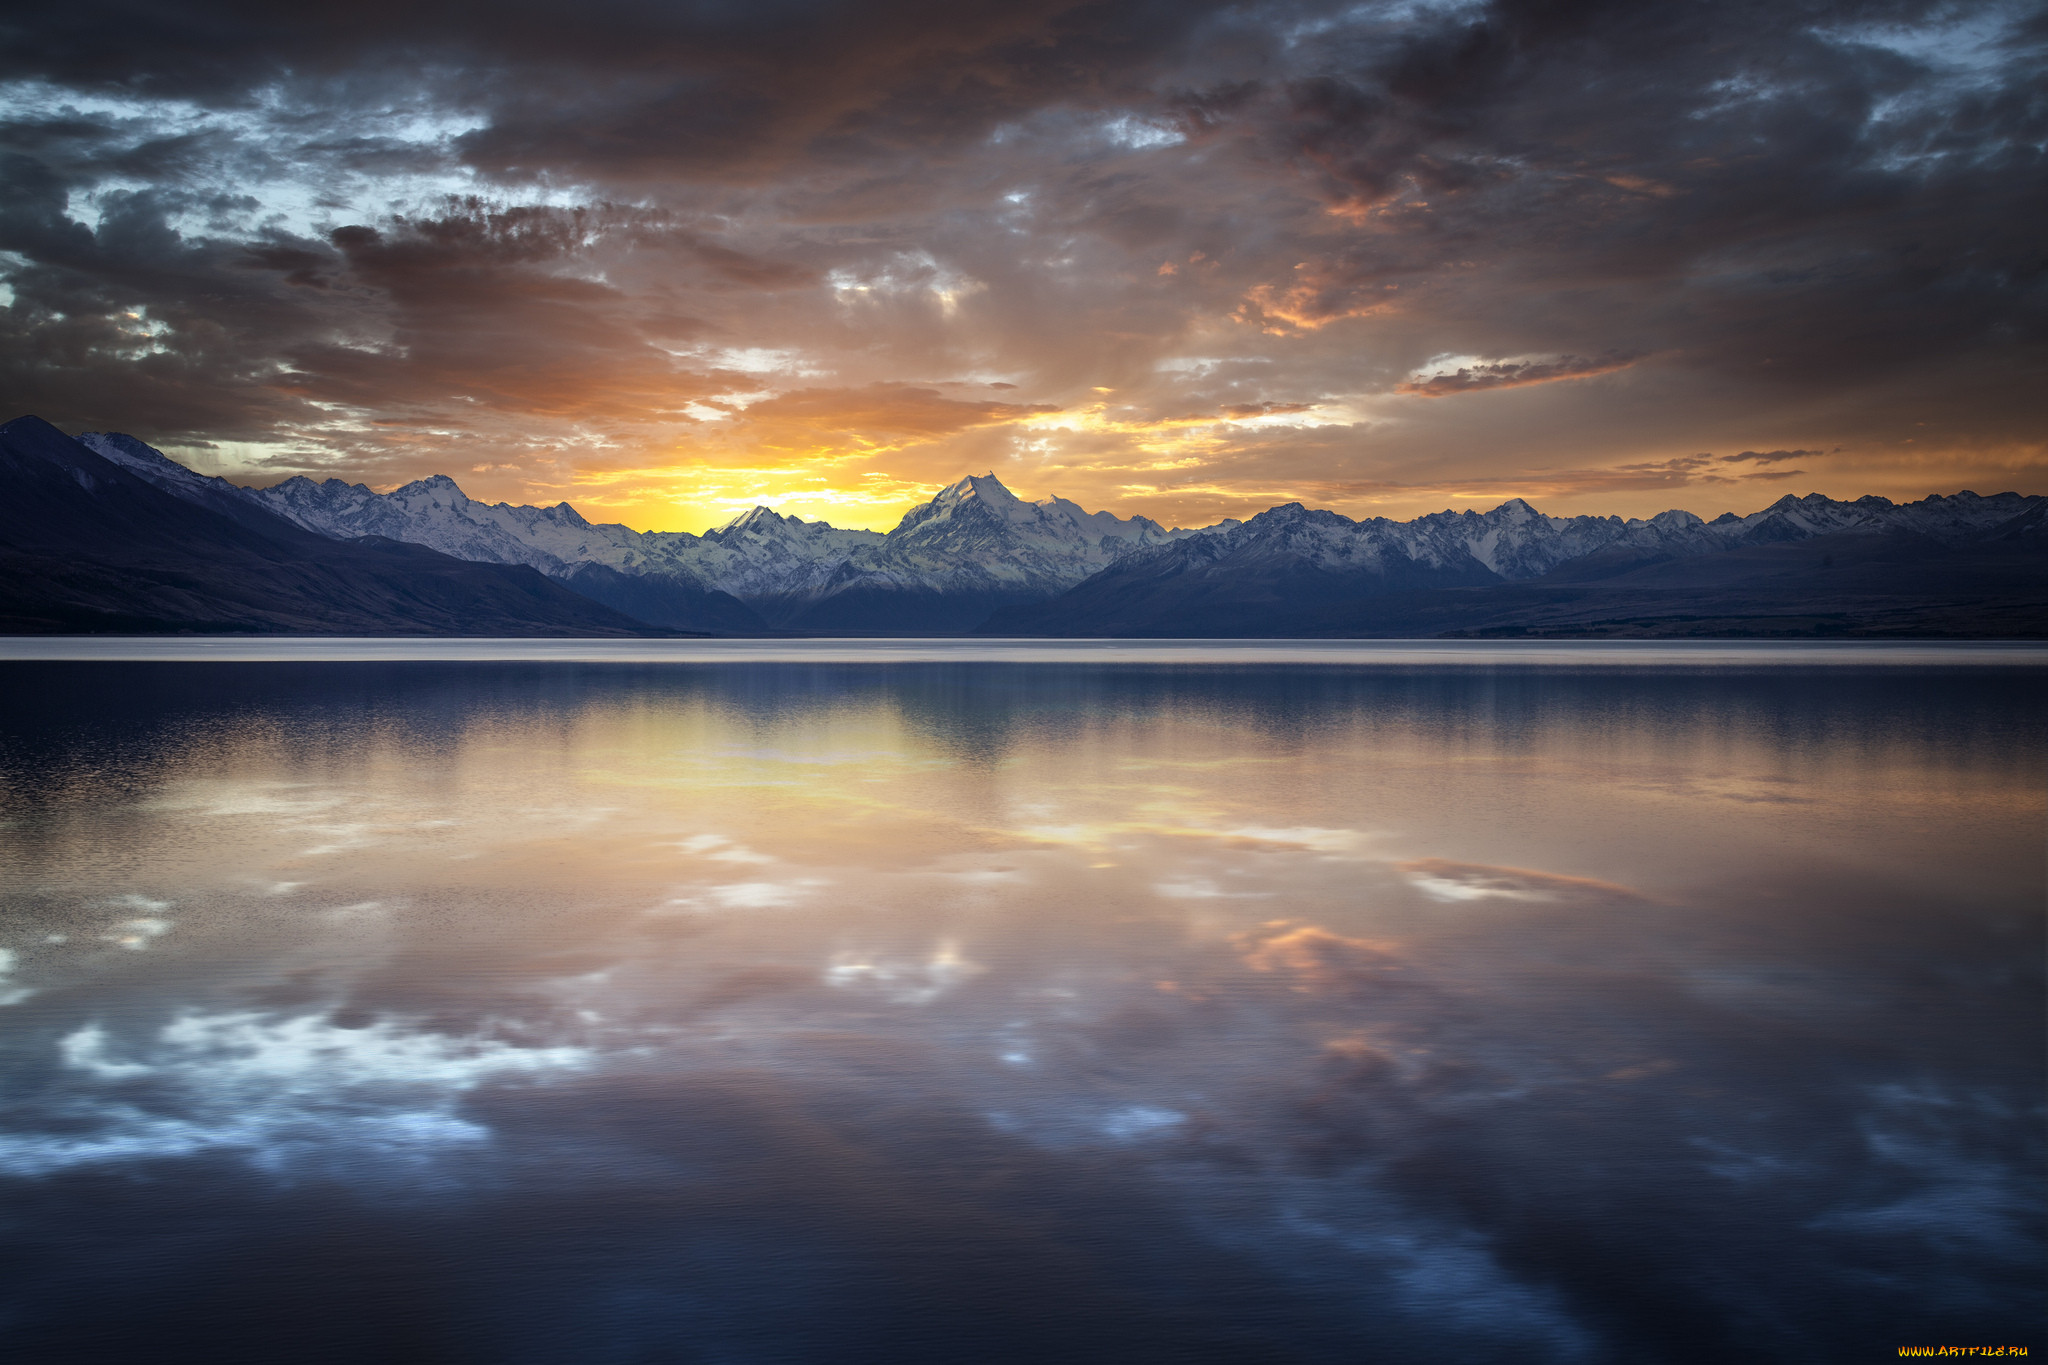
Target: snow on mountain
x=979, y=534
x=436, y=512
x=973, y=547
x=764, y=557
x=1948, y=519
x=1402, y=553
x=167, y=474
x=1516, y=541
x=1519, y=543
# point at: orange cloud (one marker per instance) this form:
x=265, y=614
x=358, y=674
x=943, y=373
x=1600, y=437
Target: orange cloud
x=1321, y=962
x=1318, y=296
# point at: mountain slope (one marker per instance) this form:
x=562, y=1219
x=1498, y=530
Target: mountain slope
x=676, y=601
x=87, y=545
x=153, y=466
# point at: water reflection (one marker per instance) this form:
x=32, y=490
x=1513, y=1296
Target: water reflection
x=836, y=1012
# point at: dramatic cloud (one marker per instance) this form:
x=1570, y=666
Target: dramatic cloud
x=1187, y=260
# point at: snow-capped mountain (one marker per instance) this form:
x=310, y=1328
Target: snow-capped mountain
x=1519, y=543
x=1515, y=541
x=779, y=565
x=976, y=549
x=974, y=546
x=760, y=557
x=1266, y=567
x=436, y=512
x=1950, y=519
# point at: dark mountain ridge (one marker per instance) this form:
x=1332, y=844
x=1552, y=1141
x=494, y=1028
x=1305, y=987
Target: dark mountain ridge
x=87, y=546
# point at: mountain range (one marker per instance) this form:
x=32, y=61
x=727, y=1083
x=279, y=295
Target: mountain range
x=106, y=533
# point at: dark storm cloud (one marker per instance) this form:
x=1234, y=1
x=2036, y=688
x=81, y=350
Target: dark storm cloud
x=90, y=306
x=626, y=90
x=223, y=224
x=1826, y=205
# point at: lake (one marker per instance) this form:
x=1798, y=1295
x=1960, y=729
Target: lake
x=1003, y=1001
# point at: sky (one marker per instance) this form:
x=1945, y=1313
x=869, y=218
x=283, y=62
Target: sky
x=666, y=261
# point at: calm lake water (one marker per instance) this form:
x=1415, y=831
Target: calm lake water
x=907, y=1003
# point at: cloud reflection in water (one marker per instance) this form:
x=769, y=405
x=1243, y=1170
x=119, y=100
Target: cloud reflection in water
x=1090, y=1013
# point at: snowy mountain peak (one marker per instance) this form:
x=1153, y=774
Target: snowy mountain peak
x=433, y=485
x=1286, y=514
x=986, y=487
x=983, y=492
x=756, y=518
x=976, y=500
x=765, y=524
x=1675, y=519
